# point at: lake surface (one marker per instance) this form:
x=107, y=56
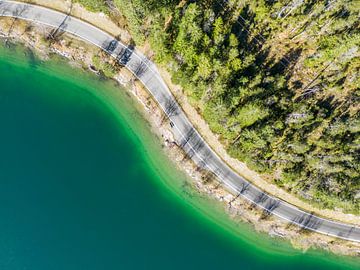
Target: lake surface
x=84, y=185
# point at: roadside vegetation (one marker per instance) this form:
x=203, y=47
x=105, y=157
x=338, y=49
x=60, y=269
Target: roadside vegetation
x=94, y=5
x=101, y=64
x=278, y=81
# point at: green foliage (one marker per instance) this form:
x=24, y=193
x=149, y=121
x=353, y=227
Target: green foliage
x=103, y=66
x=94, y=5
x=250, y=113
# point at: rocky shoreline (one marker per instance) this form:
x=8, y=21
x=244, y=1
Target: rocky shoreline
x=81, y=55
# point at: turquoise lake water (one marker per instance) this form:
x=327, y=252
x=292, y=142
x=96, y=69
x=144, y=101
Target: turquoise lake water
x=84, y=185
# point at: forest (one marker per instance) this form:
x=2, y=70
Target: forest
x=278, y=81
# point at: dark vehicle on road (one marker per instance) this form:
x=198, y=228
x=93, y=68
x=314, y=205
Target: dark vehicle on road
x=124, y=55
x=112, y=46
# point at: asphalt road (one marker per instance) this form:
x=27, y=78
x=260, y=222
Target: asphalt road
x=185, y=134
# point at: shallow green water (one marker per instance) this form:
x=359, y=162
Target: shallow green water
x=84, y=185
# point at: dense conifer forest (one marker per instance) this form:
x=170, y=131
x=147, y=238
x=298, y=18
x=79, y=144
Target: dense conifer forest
x=278, y=81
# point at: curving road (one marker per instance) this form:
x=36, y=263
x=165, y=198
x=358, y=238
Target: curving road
x=185, y=134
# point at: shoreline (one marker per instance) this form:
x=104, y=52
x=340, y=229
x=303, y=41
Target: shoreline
x=208, y=213
x=82, y=53
x=103, y=22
